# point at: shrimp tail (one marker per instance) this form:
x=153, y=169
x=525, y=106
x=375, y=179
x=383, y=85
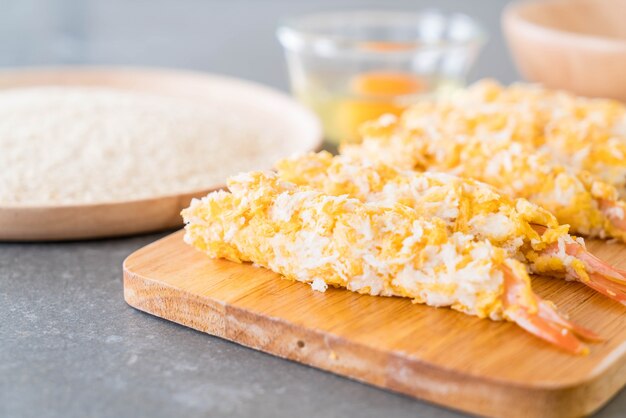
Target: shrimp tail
x=607, y=287
x=600, y=275
x=548, y=311
x=541, y=318
x=549, y=331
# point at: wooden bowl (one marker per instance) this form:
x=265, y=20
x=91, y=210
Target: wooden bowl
x=116, y=218
x=577, y=45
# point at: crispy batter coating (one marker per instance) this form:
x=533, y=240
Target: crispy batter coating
x=445, y=137
x=326, y=240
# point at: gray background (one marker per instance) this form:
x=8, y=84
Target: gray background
x=69, y=345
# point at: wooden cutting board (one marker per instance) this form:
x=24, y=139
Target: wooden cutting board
x=480, y=366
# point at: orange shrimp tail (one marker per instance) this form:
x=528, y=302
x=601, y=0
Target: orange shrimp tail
x=603, y=277
x=595, y=264
x=548, y=331
x=548, y=311
x=607, y=287
x=540, y=318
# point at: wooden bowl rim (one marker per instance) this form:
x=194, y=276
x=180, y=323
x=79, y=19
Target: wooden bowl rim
x=512, y=16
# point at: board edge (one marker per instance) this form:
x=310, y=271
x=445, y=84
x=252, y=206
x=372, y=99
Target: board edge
x=576, y=399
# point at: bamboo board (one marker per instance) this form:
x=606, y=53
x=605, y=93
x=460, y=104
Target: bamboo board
x=479, y=366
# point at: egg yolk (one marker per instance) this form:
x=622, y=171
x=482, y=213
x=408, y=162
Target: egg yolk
x=377, y=92
x=386, y=84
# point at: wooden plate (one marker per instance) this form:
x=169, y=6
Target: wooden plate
x=105, y=219
x=489, y=368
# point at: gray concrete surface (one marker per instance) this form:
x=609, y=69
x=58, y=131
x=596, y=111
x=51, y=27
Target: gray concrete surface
x=69, y=345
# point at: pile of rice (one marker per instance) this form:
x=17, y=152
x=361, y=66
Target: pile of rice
x=73, y=145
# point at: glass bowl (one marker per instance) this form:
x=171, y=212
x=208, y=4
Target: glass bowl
x=354, y=66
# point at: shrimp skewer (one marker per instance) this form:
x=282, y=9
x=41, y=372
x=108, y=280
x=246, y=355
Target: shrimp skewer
x=385, y=250
x=526, y=231
x=590, y=206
